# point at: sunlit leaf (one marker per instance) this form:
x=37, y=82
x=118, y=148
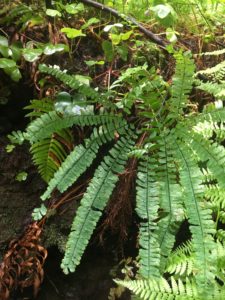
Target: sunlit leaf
x=74, y=8
x=72, y=33
x=50, y=49
x=32, y=55
x=53, y=13
x=109, y=27
x=161, y=10
x=91, y=63
x=7, y=63
x=90, y=22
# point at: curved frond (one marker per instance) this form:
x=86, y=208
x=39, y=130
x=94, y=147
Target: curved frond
x=51, y=122
x=158, y=289
x=94, y=201
x=70, y=80
x=49, y=153
x=80, y=159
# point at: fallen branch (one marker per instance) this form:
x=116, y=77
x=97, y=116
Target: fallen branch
x=129, y=19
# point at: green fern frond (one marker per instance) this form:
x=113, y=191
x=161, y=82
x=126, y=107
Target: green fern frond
x=182, y=84
x=213, y=88
x=147, y=209
x=216, y=73
x=51, y=122
x=180, y=261
x=200, y=218
x=216, y=195
x=94, y=201
x=211, y=153
x=70, y=81
x=17, y=137
x=170, y=198
x=49, y=153
x=19, y=12
x=80, y=159
x=158, y=289
x=39, y=107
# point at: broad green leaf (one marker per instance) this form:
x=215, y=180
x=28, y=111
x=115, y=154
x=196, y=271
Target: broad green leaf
x=108, y=50
x=171, y=35
x=7, y=63
x=50, y=49
x=15, y=74
x=74, y=8
x=3, y=41
x=122, y=51
x=36, y=20
x=161, y=10
x=32, y=55
x=16, y=49
x=90, y=22
x=72, y=33
x=5, y=51
x=116, y=38
x=53, y=13
x=91, y=63
x=125, y=36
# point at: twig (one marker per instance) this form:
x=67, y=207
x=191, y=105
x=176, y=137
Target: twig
x=129, y=19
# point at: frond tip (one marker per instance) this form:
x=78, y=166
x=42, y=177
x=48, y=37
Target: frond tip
x=159, y=289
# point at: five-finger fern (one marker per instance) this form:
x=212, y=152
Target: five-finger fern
x=180, y=177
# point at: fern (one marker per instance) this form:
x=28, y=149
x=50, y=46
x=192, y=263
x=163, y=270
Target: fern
x=70, y=81
x=51, y=122
x=182, y=84
x=94, y=201
x=49, y=153
x=158, y=289
x=79, y=160
x=147, y=209
x=180, y=176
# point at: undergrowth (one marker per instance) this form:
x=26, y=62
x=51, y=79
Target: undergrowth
x=142, y=126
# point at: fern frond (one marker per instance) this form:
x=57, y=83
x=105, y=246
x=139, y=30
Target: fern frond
x=80, y=159
x=170, y=198
x=211, y=153
x=94, y=201
x=51, y=122
x=200, y=218
x=49, y=153
x=213, y=88
x=39, y=107
x=147, y=209
x=158, y=289
x=19, y=11
x=181, y=260
x=70, y=81
x=182, y=84
x=216, y=52
x=216, y=195
x=216, y=73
